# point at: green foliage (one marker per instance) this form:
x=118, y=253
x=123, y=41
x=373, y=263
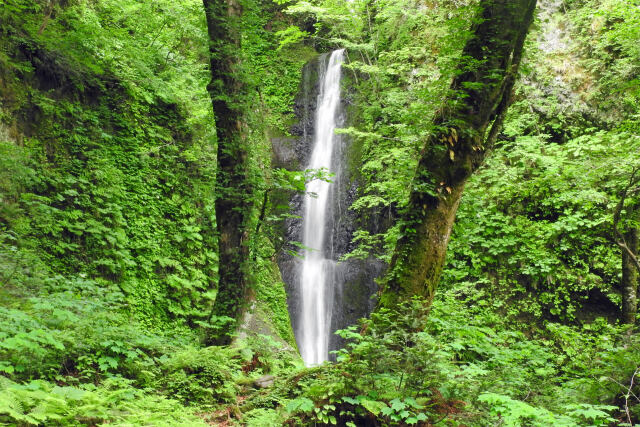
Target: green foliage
x=401, y=56
x=114, y=403
x=514, y=413
x=80, y=332
x=290, y=35
x=107, y=257
x=535, y=223
x=107, y=266
x=518, y=336
x=112, y=182
x=262, y=418
x=108, y=144
x=465, y=364
x=200, y=376
x=609, y=32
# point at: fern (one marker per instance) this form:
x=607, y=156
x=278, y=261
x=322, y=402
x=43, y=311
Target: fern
x=515, y=413
x=115, y=403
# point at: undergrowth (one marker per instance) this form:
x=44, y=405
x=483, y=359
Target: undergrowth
x=461, y=365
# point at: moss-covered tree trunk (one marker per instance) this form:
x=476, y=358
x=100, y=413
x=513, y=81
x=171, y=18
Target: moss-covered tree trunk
x=465, y=128
x=233, y=193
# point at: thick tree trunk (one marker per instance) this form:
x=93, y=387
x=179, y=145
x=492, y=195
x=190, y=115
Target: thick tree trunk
x=630, y=278
x=233, y=192
x=466, y=127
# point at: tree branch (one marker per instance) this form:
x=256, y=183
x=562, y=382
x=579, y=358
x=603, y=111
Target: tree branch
x=618, y=236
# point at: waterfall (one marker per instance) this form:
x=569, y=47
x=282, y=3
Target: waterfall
x=317, y=270
x=324, y=295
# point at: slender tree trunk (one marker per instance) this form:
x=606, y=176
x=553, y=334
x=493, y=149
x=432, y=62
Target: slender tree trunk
x=465, y=129
x=628, y=243
x=233, y=193
x=630, y=278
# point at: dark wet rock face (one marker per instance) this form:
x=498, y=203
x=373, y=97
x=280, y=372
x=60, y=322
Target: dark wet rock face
x=353, y=280
x=284, y=154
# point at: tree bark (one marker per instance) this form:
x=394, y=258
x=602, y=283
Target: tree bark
x=465, y=129
x=629, y=280
x=233, y=205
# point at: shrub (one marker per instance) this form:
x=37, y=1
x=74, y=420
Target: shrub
x=201, y=376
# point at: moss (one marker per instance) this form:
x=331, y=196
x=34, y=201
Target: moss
x=119, y=194
x=271, y=300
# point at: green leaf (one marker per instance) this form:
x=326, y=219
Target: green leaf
x=373, y=406
x=397, y=405
x=350, y=400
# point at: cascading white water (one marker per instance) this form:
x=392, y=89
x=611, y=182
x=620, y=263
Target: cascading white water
x=317, y=269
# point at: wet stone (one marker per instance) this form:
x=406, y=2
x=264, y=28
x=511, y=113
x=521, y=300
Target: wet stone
x=264, y=382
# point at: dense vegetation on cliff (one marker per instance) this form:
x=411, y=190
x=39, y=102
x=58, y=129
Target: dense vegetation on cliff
x=134, y=235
